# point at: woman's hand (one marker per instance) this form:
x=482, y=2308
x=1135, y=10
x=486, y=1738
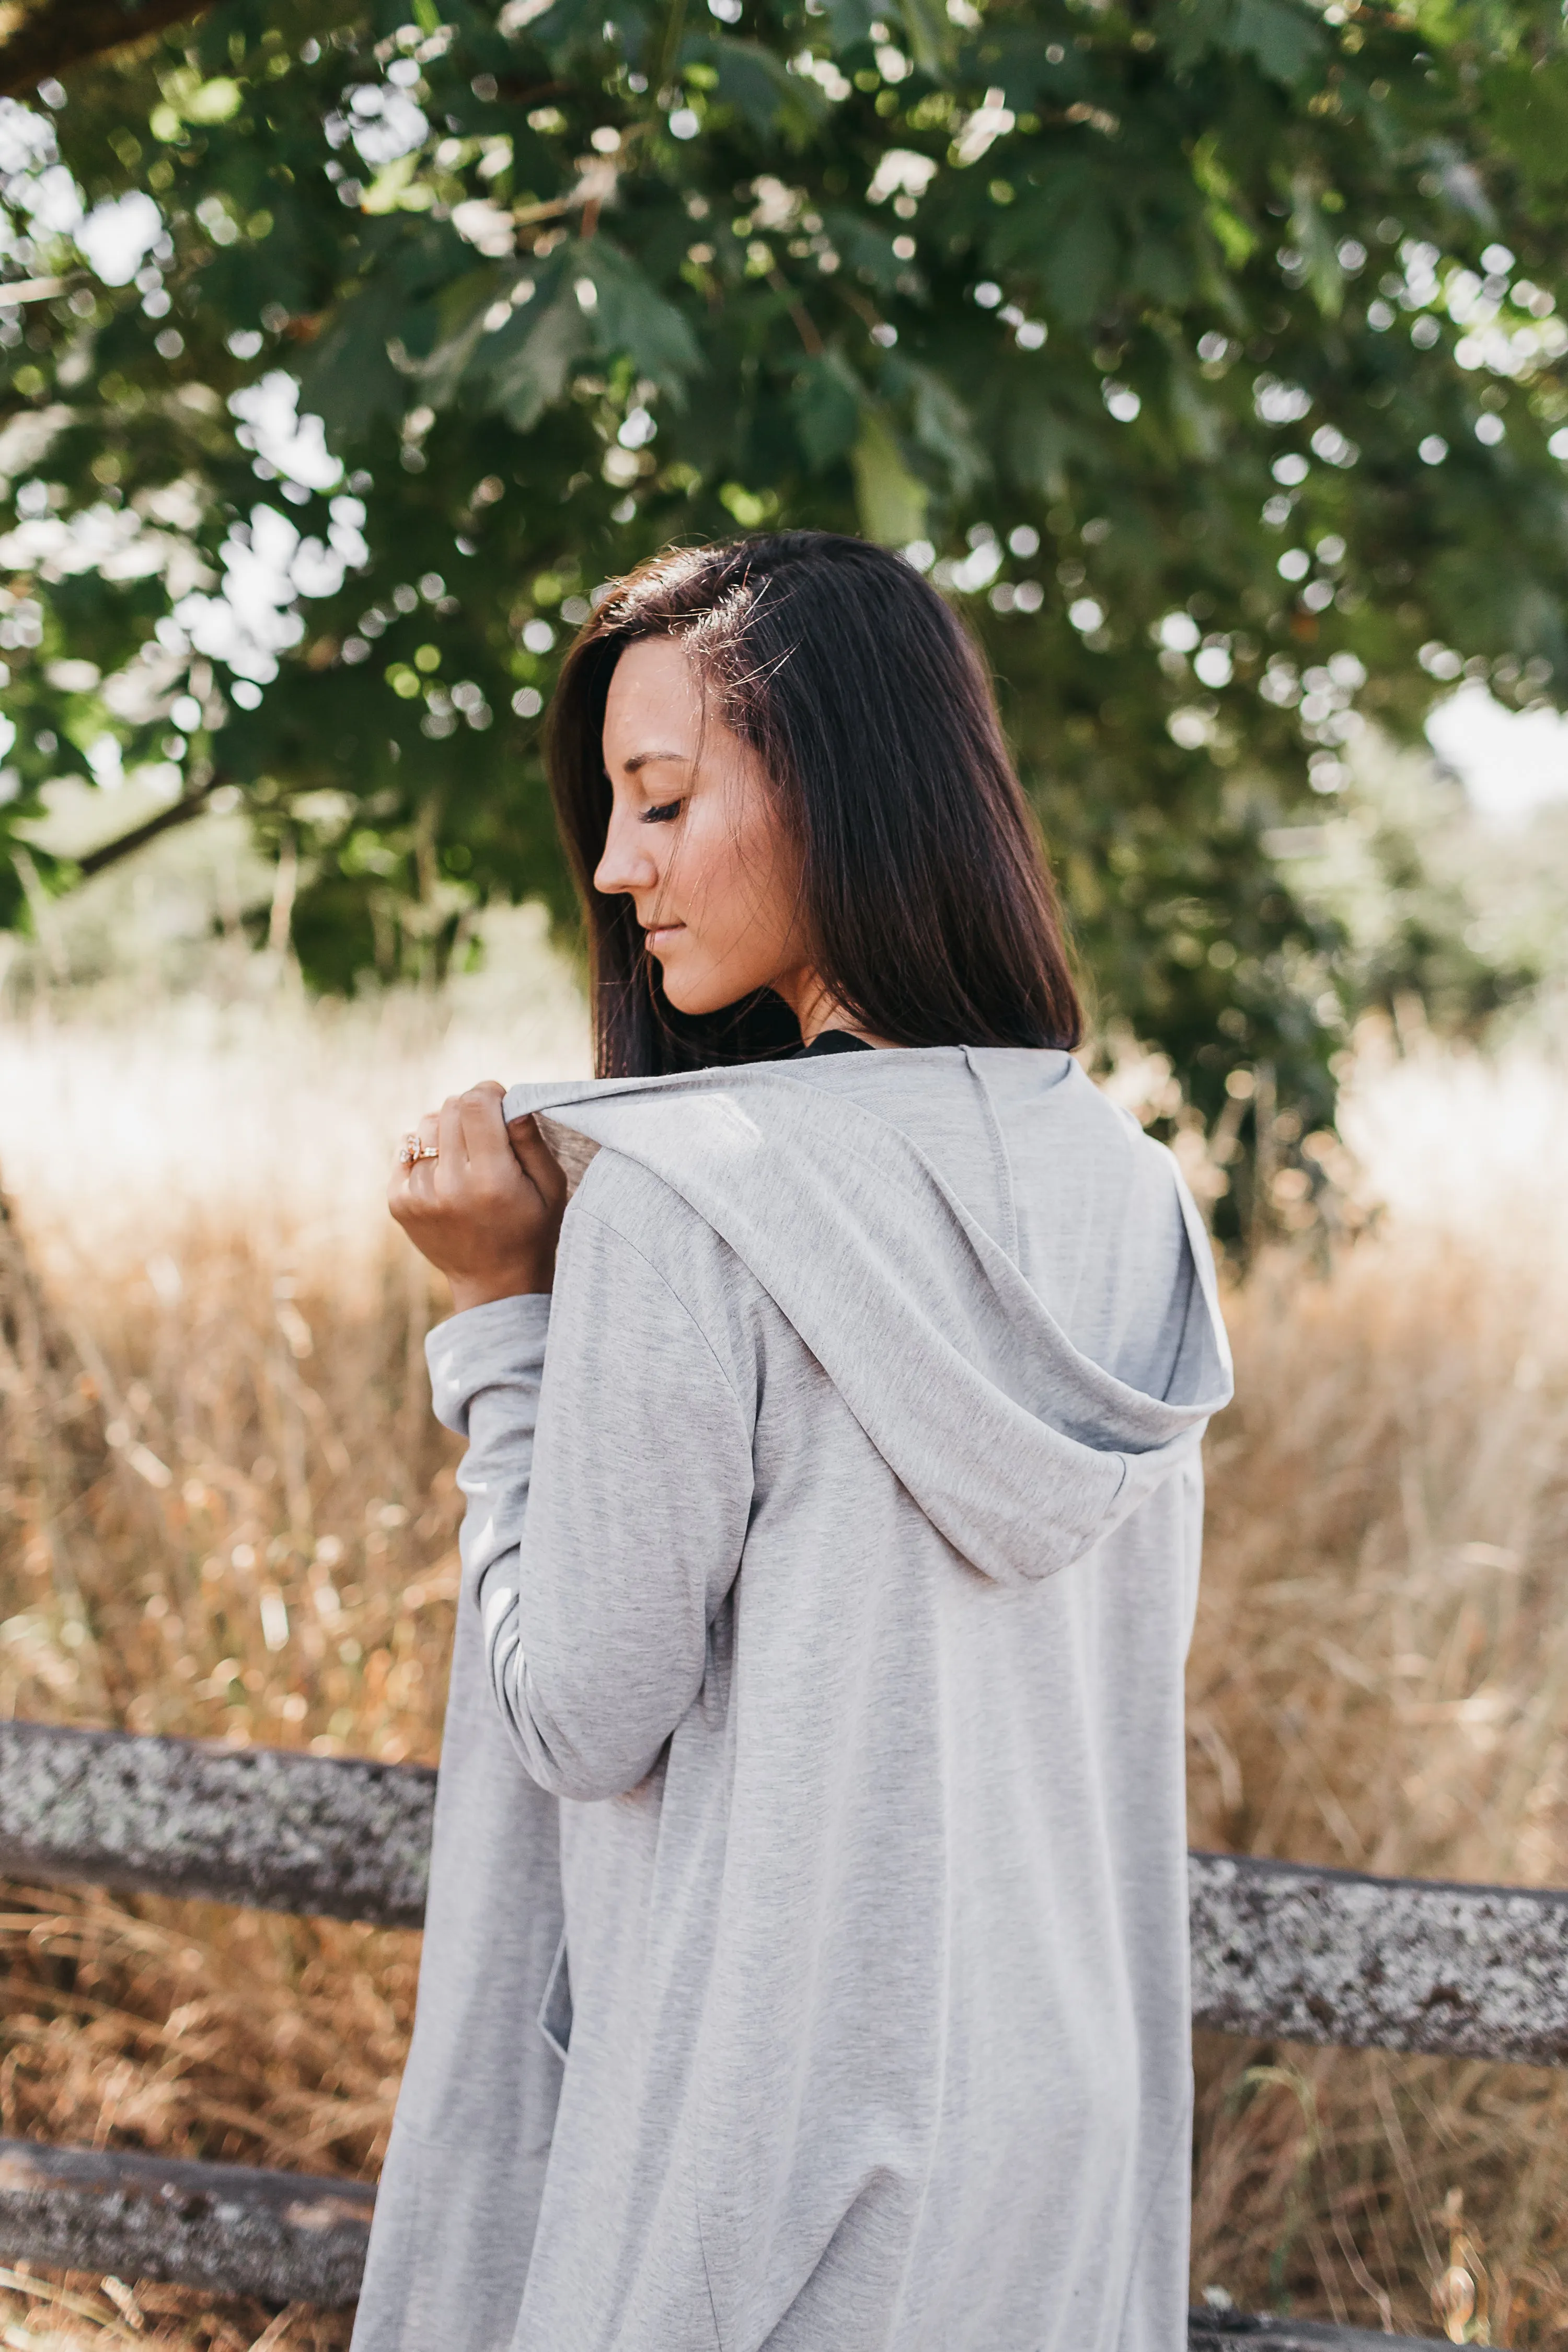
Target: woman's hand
x=486, y=1210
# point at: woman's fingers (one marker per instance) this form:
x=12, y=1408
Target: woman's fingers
x=487, y=1207
x=484, y=1135
x=537, y=1161
x=422, y=1172
x=412, y=1186
x=450, y=1169
x=499, y=1149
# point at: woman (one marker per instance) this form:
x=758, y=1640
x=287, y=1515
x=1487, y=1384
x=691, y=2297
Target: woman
x=806, y=1955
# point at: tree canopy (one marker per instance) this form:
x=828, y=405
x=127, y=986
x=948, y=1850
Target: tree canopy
x=1210, y=353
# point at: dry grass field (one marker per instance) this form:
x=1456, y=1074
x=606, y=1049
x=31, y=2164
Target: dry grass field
x=225, y=1511
x=1380, y=1681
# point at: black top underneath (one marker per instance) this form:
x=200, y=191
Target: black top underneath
x=834, y=1040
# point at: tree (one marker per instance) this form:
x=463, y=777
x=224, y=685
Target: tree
x=1208, y=350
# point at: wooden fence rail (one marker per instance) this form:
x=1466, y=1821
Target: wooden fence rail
x=338, y=1837
x=232, y=2229
x=1279, y=1950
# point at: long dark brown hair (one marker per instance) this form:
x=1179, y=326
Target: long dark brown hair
x=925, y=893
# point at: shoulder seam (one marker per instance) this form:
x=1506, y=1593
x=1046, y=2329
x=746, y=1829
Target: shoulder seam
x=605, y=1225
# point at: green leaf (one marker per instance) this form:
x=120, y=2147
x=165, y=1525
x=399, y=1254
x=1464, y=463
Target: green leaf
x=592, y=301
x=945, y=428
x=196, y=100
x=1185, y=29
x=1316, y=239
x=867, y=245
x=460, y=310
x=1199, y=420
x=759, y=85
x=826, y=403
x=850, y=21
x=891, y=502
x=1236, y=242
x=1279, y=34
x=1527, y=104
x=348, y=378
x=390, y=185
x=1078, y=266
x=631, y=318
x=928, y=31
x=526, y=366
x=1043, y=444
x=1161, y=268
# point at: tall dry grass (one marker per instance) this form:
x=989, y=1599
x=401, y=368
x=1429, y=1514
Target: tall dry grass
x=1380, y=1681
x=225, y=1512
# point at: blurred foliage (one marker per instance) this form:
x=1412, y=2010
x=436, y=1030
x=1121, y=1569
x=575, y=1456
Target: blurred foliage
x=1447, y=917
x=1208, y=350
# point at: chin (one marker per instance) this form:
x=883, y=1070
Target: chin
x=678, y=990
x=698, y=997
x=695, y=1003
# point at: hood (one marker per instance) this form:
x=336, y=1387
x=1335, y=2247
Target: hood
x=1020, y=1451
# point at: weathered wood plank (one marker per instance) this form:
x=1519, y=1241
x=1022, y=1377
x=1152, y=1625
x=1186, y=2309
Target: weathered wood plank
x=285, y=2238
x=1249, y=2331
x=1329, y=1956
x=1278, y=1949
x=228, y=2228
x=259, y=1826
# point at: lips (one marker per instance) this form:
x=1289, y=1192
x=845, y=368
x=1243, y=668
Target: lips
x=657, y=934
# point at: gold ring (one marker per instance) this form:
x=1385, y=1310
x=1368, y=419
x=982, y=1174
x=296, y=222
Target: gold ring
x=411, y=1149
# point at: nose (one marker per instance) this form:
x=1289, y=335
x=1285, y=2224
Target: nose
x=626, y=863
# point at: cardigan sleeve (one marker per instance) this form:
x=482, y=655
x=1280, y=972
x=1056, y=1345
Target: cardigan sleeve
x=608, y=1480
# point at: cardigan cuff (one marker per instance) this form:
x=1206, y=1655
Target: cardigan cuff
x=498, y=1345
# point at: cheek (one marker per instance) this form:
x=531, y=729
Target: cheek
x=715, y=875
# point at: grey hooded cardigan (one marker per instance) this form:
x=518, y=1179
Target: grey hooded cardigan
x=805, y=1963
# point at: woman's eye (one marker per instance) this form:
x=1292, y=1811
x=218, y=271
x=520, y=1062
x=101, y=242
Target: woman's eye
x=665, y=814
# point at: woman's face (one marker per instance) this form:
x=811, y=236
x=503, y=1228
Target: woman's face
x=695, y=842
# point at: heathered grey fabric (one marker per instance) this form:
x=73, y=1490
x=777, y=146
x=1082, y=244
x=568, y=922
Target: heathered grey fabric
x=831, y=1597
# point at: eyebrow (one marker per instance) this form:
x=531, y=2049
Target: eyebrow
x=646, y=759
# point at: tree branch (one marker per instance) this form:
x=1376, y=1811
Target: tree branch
x=670, y=47
x=804, y=324
x=178, y=811
x=60, y=34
